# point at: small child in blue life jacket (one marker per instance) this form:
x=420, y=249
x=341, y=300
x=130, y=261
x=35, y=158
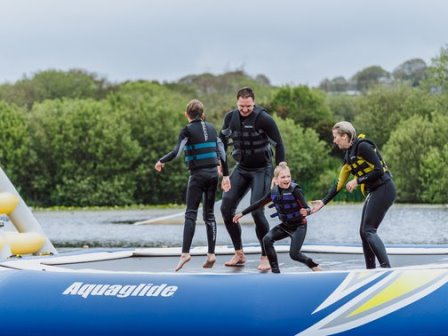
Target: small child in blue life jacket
x=292, y=209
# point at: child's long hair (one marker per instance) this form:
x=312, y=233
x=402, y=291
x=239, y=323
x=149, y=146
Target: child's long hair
x=195, y=109
x=281, y=166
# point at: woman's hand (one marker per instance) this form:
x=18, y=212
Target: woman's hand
x=352, y=185
x=317, y=205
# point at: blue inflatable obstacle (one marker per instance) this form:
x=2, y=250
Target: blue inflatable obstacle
x=383, y=302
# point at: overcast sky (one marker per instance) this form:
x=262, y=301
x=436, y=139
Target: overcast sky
x=289, y=41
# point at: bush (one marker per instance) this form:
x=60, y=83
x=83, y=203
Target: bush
x=306, y=155
x=406, y=150
x=434, y=175
x=84, y=154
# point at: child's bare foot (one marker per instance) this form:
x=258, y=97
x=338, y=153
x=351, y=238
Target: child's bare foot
x=184, y=258
x=316, y=269
x=210, y=261
x=237, y=260
x=264, y=264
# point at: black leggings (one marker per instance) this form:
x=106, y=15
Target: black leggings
x=279, y=232
x=259, y=182
x=375, y=207
x=202, y=184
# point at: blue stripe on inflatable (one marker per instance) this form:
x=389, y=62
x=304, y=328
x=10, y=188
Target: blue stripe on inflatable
x=47, y=303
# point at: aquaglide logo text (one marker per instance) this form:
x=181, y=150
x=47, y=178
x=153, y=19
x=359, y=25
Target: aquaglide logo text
x=120, y=291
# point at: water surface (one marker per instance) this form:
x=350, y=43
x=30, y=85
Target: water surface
x=403, y=224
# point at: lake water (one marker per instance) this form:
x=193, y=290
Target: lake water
x=403, y=224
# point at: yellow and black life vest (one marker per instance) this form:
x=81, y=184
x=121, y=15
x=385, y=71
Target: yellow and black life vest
x=360, y=167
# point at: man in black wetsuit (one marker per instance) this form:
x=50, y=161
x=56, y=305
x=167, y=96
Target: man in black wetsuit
x=363, y=160
x=253, y=133
x=204, y=151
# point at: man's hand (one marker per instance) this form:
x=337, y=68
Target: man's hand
x=225, y=183
x=237, y=217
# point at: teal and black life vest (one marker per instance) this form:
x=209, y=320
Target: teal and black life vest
x=249, y=144
x=201, y=150
x=360, y=167
x=287, y=206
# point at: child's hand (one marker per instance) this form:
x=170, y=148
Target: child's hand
x=159, y=166
x=303, y=212
x=237, y=217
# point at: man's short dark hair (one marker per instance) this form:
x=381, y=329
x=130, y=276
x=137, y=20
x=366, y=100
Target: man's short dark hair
x=245, y=92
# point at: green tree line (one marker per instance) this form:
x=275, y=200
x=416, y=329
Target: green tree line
x=74, y=139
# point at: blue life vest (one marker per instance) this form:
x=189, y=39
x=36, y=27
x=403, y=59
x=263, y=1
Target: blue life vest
x=201, y=150
x=287, y=206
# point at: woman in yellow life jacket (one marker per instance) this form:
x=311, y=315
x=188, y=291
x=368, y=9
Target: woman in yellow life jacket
x=363, y=160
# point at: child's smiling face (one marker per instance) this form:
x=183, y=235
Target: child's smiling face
x=284, y=178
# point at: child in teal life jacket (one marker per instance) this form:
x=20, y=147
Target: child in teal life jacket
x=204, y=152
x=292, y=210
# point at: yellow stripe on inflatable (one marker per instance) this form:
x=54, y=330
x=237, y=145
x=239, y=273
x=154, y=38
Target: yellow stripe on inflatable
x=22, y=243
x=408, y=281
x=8, y=202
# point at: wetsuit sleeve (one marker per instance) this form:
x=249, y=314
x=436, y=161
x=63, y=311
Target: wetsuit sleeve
x=225, y=130
x=342, y=179
x=181, y=142
x=223, y=158
x=258, y=204
x=366, y=151
x=298, y=194
x=268, y=125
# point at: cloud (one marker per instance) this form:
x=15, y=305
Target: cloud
x=290, y=41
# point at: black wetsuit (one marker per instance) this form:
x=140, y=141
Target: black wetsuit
x=295, y=227
x=363, y=160
x=203, y=150
x=252, y=138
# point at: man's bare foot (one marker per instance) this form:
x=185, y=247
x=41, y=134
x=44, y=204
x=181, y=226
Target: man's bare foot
x=238, y=259
x=210, y=261
x=184, y=258
x=264, y=264
x=316, y=269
